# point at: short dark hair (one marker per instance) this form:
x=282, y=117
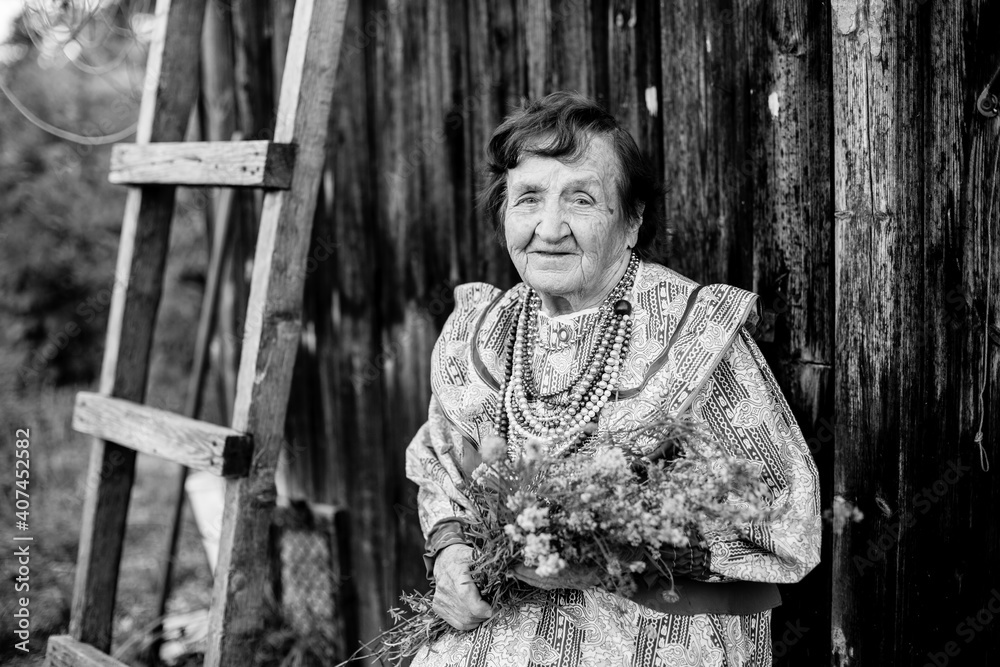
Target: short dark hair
x=560, y=126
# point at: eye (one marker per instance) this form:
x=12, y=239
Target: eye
x=581, y=199
x=525, y=199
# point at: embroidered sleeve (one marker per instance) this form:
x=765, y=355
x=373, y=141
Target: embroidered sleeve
x=434, y=462
x=745, y=409
x=441, y=456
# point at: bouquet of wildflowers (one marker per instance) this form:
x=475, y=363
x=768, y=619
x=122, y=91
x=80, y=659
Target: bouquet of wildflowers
x=607, y=511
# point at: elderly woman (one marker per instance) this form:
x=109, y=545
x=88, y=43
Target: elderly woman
x=576, y=206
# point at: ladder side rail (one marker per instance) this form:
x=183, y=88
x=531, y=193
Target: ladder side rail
x=272, y=331
x=169, y=91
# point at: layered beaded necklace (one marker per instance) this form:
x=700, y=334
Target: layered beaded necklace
x=589, y=392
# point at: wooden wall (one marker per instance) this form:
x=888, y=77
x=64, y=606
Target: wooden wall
x=829, y=158
x=917, y=283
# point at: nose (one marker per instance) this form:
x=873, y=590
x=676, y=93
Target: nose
x=552, y=226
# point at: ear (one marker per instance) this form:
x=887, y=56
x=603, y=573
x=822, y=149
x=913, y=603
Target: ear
x=632, y=237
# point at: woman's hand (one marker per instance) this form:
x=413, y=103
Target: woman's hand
x=570, y=577
x=456, y=598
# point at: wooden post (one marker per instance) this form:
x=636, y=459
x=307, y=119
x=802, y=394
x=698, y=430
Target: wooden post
x=219, y=120
x=635, y=79
x=163, y=116
x=705, y=140
x=915, y=192
x=788, y=162
x=271, y=335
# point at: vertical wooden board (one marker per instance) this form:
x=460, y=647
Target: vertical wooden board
x=256, y=87
x=305, y=471
x=942, y=479
x=788, y=158
x=163, y=116
x=880, y=283
x=396, y=60
x=218, y=118
x=535, y=19
x=559, y=45
x=255, y=102
x=218, y=94
x=351, y=356
x=440, y=138
x=708, y=203
x=633, y=83
x=272, y=333
x=495, y=86
x=571, y=54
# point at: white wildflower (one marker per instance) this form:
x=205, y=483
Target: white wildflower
x=493, y=449
x=532, y=518
x=550, y=565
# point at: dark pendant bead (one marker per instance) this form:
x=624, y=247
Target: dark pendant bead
x=623, y=307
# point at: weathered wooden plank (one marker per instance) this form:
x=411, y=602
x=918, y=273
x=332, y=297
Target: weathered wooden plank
x=913, y=290
x=705, y=128
x=413, y=162
x=64, y=651
x=336, y=403
x=255, y=101
x=248, y=164
x=189, y=442
x=218, y=108
x=163, y=115
x=273, y=329
x=788, y=160
x=877, y=248
x=495, y=83
x=633, y=93
x=559, y=42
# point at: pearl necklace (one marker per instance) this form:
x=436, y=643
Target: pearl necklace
x=590, y=391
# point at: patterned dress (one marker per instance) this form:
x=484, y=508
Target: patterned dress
x=690, y=353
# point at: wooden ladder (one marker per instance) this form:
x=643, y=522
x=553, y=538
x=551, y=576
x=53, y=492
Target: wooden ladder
x=290, y=168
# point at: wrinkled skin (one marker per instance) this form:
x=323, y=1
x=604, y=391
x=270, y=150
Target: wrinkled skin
x=456, y=598
x=457, y=601
x=564, y=227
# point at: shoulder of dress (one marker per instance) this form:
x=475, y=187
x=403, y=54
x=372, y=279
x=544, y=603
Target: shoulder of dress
x=468, y=356
x=472, y=297
x=657, y=286
x=652, y=275
x=669, y=285
x=742, y=306
x=473, y=303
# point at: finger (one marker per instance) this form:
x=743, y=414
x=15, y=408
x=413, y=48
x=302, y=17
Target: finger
x=454, y=615
x=473, y=601
x=462, y=603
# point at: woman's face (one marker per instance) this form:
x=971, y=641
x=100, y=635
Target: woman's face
x=564, y=229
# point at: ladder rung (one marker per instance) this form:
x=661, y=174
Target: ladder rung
x=64, y=651
x=210, y=163
x=195, y=444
